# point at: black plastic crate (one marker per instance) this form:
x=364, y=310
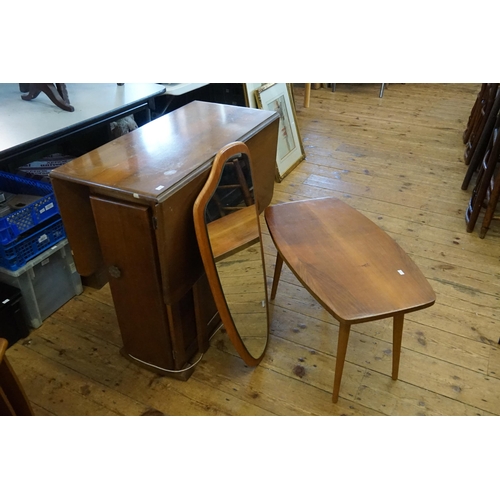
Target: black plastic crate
x=12, y=323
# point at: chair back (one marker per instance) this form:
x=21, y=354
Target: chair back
x=485, y=178
x=475, y=113
x=482, y=142
x=13, y=399
x=482, y=113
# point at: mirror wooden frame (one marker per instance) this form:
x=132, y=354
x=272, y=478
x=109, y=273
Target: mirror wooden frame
x=231, y=150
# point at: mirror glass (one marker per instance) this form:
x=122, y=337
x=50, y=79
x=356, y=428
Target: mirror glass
x=232, y=228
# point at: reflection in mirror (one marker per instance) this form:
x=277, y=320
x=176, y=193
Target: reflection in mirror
x=228, y=232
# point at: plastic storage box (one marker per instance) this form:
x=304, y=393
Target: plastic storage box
x=23, y=219
x=17, y=254
x=46, y=282
x=12, y=323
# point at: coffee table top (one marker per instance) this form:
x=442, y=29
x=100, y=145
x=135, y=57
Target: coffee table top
x=350, y=265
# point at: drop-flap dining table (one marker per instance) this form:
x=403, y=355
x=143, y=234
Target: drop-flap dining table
x=127, y=210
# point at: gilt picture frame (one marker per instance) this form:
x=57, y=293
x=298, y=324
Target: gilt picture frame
x=278, y=97
x=250, y=89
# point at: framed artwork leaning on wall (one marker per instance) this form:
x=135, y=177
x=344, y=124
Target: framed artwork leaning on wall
x=278, y=97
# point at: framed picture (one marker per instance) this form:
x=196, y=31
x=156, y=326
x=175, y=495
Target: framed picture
x=278, y=97
x=250, y=89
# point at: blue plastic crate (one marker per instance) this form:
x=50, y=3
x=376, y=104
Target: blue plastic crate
x=19, y=253
x=16, y=223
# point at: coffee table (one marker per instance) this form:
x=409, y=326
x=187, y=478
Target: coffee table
x=355, y=270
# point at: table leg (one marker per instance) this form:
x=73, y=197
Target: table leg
x=277, y=274
x=396, y=343
x=307, y=95
x=341, y=351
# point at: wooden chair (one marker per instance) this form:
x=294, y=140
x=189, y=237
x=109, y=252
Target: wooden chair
x=350, y=266
x=13, y=400
x=491, y=208
x=485, y=182
x=481, y=116
x=480, y=149
x=233, y=181
x=475, y=113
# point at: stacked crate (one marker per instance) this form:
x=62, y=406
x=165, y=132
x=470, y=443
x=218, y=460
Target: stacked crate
x=30, y=226
x=34, y=253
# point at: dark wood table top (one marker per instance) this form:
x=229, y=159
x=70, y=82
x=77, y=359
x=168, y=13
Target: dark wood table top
x=160, y=157
x=350, y=265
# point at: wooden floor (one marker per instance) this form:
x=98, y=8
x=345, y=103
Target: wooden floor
x=399, y=160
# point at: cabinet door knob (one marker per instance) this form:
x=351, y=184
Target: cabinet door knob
x=114, y=272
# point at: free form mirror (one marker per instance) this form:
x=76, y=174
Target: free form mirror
x=226, y=220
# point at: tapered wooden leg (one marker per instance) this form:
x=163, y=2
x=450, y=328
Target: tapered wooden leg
x=307, y=95
x=339, y=365
x=277, y=274
x=396, y=343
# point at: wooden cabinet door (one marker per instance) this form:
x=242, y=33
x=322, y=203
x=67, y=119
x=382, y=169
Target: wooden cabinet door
x=128, y=245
